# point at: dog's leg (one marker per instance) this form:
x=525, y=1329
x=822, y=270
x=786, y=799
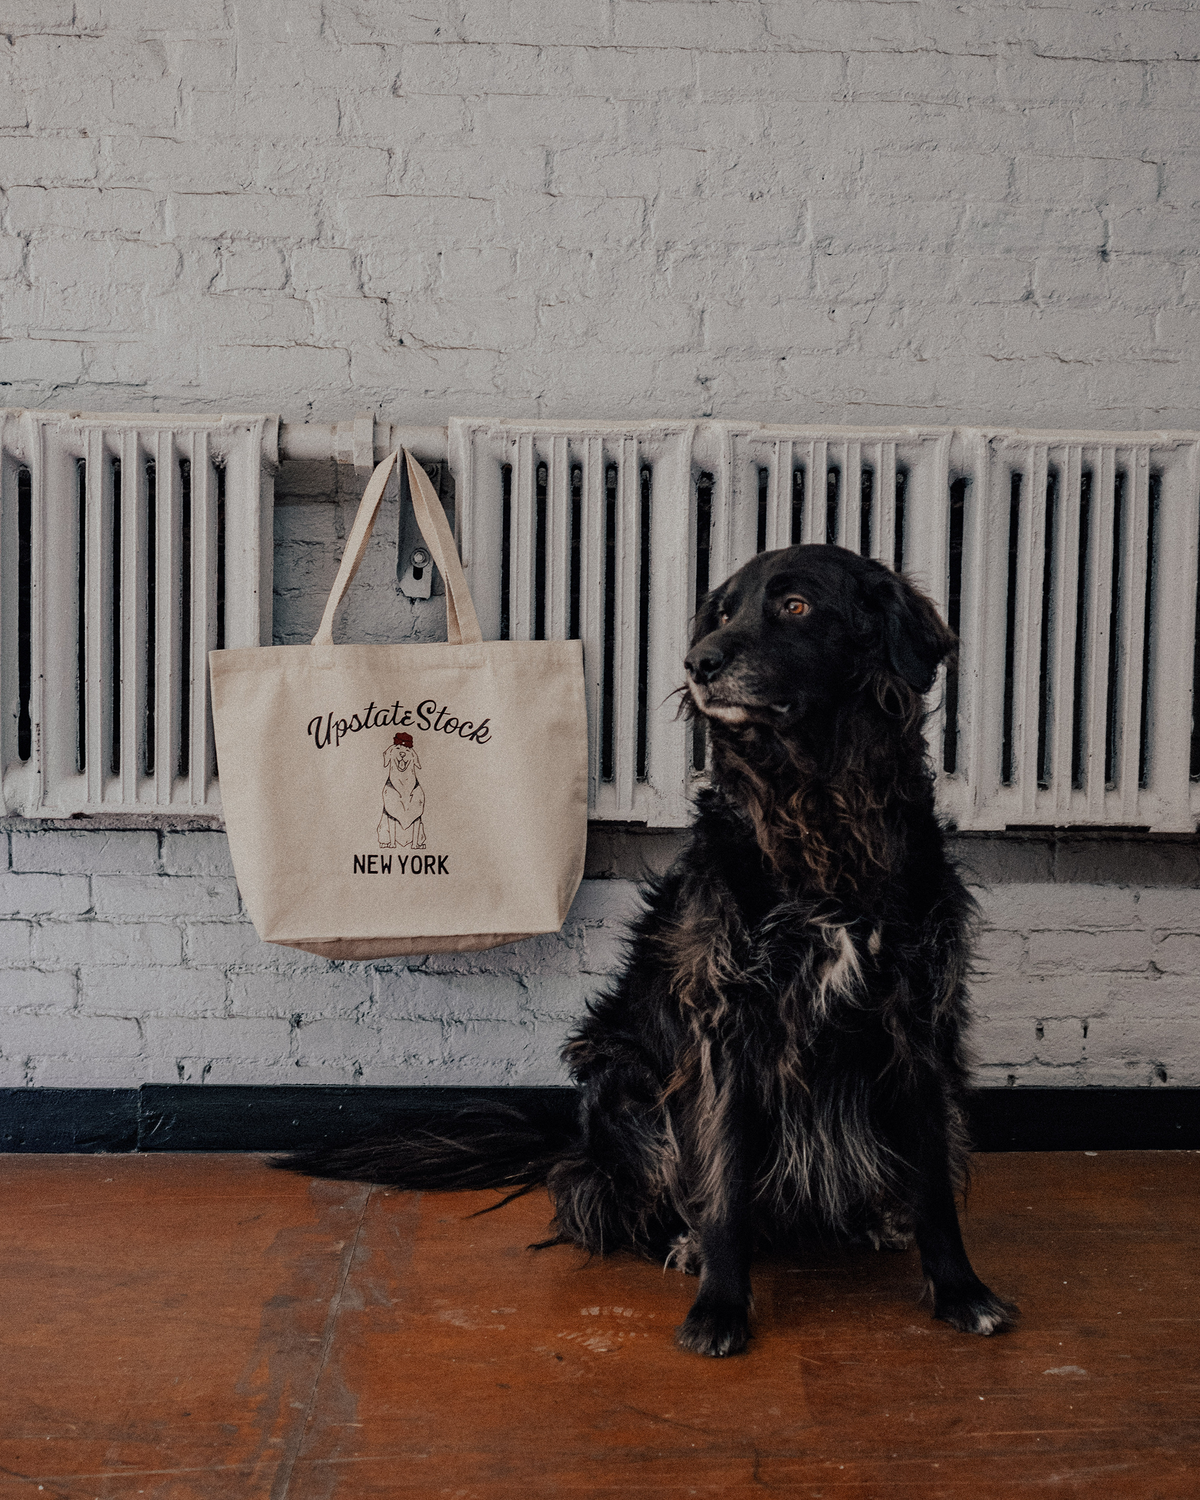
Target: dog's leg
x=719, y=1321
x=959, y=1297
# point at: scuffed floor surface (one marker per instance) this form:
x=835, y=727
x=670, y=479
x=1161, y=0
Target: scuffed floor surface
x=201, y=1326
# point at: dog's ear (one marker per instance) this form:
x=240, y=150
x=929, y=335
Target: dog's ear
x=915, y=639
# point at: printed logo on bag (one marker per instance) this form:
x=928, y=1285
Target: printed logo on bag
x=428, y=717
x=402, y=822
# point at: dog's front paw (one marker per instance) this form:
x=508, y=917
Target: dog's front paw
x=715, y=1328
x=975, y=1310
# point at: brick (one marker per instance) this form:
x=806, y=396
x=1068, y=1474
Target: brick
x=87, y=311
x=1007, y=1040
x=453, y=70
x=1093, y=952
x=99, y=853
x=391, y=217
x=724, y=30
x=37, y=361
x=166, y=991
x=37, y=15
x=127, y=210
x=1028, y=908
x=34, y=990
x=414, y=1042
x=509, y=1054
x=138, y=161
x=38, y=895
x=117, y=1071
x=336, y=991
x=1148, y=997
x=336, y=1041
x=722, y=178
x=68, y=1035
x=577, y=222
x=930, y=175
x=196, y=852
x=1003, y=996
x=247, y=267
x=528, y=120
x=257, y=215
x=999, y=952
x=1062, y=1040
x=217, y=116
x=164, y=896
x=557, y=1001
x=1177, y=953
x=326, y=269
x=1035, y=1075
x=349, y=321
x=14, y=942
x=250, y=1040
x=467, y=170
x=121, y=944
x=376, y=121
x=12, y=258
x=428, y=997
x=552, y=953
x=235, y=944
x=1136, y=1045
x=290, y=371
x=102, y=263
x=152, y=105
x=264, y=319
x=30, y=161
x=299, y=1070
x=406, y=1073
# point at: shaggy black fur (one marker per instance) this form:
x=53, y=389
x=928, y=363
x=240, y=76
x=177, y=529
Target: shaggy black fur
x=782, y=1056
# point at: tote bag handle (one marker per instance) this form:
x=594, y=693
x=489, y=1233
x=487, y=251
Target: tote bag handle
x=462, y=624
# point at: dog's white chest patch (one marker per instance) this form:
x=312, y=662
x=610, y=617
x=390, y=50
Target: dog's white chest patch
x=839, y=971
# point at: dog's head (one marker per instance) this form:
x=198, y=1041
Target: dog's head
x=803, y=627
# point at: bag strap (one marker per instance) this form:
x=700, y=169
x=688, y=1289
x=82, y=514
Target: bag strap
x=462, y=624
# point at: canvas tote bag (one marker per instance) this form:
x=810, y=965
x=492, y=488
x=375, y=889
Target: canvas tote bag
x=386, y=800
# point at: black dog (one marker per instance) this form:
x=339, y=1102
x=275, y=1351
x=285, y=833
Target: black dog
x=782, y=1057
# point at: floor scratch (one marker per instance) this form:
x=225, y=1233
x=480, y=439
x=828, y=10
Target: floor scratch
x=287, y=1463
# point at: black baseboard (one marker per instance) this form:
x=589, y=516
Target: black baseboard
x=182, y=1117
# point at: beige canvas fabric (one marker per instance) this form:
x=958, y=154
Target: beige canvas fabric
x=388, y=800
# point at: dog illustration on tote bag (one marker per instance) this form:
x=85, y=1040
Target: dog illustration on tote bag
x=403, y=823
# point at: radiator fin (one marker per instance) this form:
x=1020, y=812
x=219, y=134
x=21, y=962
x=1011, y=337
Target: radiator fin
x=1066, y=561
x=104, y=645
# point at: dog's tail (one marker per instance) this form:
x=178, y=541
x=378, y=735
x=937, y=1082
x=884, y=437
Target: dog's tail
x=481, y=1144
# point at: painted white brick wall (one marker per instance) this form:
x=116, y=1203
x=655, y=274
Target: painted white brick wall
x=744, y=208
x=127, y=959
x=740, y=208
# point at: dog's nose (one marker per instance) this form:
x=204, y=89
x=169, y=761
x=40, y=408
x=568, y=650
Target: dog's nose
x=704, y=662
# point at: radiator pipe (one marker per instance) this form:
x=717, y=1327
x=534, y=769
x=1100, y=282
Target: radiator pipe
x=361, y=441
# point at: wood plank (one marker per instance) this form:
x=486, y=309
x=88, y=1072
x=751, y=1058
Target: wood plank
x=188, y=1326
x=164, y=1320
x=487, y=1370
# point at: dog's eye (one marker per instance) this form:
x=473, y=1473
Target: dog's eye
x=723, y=618
x=795, y=606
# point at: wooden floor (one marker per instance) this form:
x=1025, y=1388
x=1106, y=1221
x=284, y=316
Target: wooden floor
x=200, y=1326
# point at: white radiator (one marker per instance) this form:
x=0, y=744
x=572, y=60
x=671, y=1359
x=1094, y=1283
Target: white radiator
x=129, y=547
x=1067, y=563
